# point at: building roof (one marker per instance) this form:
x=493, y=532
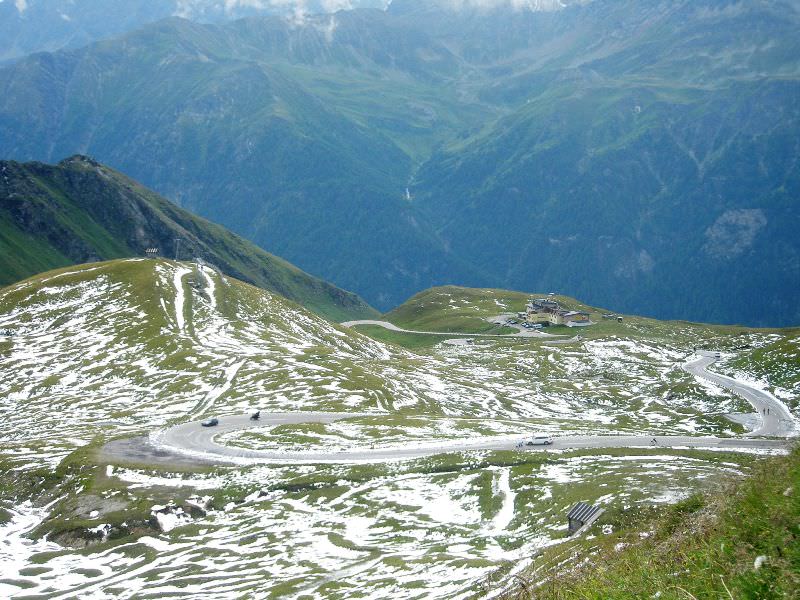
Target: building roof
x=582, y=512
x=544, y=305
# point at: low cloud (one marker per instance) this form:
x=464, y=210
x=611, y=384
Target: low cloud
x=293, y=8
x=518, y=5
x=299, y=9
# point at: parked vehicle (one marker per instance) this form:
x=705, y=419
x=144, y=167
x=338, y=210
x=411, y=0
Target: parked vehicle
x=212, y=422
x=539, y=440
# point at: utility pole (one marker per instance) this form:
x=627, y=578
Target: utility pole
x=199, y=273
x=177, y=248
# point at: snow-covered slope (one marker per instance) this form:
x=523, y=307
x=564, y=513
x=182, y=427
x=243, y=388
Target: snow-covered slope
x=129, y=346
x=124, y=348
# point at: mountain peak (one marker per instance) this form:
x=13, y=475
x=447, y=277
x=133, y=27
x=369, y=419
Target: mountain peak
x=79, y=159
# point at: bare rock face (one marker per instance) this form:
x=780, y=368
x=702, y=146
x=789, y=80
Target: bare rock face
x=734, y=232
x=634, y=264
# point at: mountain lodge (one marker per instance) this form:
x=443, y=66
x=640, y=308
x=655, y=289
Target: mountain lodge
x=545, y=311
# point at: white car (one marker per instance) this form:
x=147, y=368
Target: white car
x=539, y=440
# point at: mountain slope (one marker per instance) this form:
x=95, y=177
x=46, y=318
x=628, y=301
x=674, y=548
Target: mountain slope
x=630, y=210
x=639, y=155
x=80, y=211
x=652, y=165
x=278, y=131
x=119, y=351
x=744, y=531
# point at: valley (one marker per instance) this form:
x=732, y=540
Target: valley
x=634, y=155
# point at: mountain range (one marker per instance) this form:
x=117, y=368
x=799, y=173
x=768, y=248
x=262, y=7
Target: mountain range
x=642, y=156
x=81, y=211
x=28, y=26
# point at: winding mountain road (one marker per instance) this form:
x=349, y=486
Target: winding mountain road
x=776, y=420
x=193, y=440
x=522, y=333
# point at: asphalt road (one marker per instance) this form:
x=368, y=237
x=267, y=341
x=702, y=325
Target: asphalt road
x=192, y=440
x=775, y=418
x=522, y=332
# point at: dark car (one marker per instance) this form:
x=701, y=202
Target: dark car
x=212, y=422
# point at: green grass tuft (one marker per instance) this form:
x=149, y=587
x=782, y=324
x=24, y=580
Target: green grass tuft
x=703, y=547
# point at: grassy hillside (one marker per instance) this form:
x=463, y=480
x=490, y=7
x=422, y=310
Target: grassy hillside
x=81, y=211
x=466, y=310
x=118, y=350
x=740, y=541
x=457, y=309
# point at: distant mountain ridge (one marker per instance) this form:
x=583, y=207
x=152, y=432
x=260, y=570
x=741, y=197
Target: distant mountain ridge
x=639, y=155
x=28, y=26
x=81, y=211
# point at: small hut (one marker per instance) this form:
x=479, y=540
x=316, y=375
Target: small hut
x=581, y=515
